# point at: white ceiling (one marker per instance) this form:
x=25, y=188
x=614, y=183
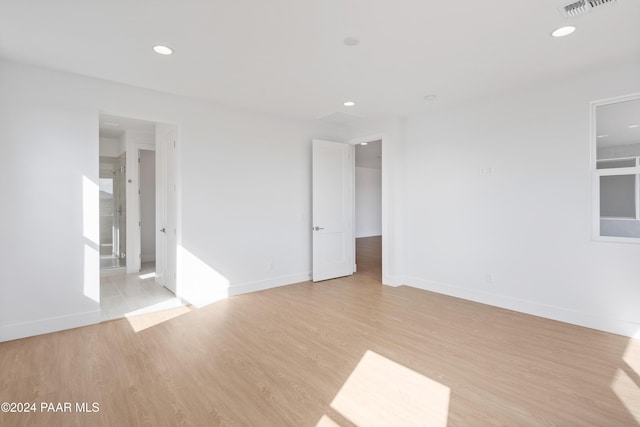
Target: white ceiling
x=613, y=120
x=288, y=57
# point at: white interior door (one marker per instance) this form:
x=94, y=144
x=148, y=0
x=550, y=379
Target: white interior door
x=166, y=207
x=333, y=239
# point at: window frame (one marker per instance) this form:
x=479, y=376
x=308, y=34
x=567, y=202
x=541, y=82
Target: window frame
x=597, y=173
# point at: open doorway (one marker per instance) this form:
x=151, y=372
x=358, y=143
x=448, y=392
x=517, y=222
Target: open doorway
x=368, y=208
x=131, y=197
x=112, y=208
x=334, y=218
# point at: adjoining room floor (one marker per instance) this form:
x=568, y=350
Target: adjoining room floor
x=369, y=257
x=107, y=259
x=134, y=294
x=111, y=262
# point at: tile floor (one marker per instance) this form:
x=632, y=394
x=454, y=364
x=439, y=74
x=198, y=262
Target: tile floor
x=107, y=259
x=111, y=262
x=131, y=294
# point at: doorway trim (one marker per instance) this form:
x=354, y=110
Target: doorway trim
x=383, y=138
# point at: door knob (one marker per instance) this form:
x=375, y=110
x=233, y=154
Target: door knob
x=316, y=228
x=164, y=230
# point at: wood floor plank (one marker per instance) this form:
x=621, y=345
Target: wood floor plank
x=295, y=356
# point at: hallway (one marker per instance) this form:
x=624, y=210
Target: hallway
x=132, y=294
x=369, y=257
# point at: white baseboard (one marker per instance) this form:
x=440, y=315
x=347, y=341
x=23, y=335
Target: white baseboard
x=148, y=257
x=45, y=326
x=369, y=234
x=394, y=281
x=273, y=282
x=561, y=314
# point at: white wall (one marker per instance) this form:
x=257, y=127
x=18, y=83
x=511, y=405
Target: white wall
x=519, y=237
x=111, y=147
x=148, y=205
x=244, y=189
x=49, y=271
x=368, y=202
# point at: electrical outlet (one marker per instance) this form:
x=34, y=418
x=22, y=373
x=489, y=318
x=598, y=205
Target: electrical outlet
x=485, y=171
x=270, y=266
x=489, y=278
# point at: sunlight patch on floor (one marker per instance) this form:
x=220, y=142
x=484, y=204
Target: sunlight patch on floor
x=632, y=355
x=381, y=392
x=325, y=421
x=155, y=314
x=628, y=392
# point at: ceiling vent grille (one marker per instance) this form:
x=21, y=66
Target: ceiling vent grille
x=581, y=7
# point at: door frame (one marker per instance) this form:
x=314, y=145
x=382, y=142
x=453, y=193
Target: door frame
x=160, y=190
x=383, y=138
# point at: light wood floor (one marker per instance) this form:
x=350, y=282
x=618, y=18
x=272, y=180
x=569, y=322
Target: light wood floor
x=342, y=352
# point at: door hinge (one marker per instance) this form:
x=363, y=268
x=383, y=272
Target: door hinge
x=138, y=159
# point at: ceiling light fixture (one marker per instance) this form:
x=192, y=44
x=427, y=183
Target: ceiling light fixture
x=351, y=41
x=602, y=136
x=162, y=50
x=634, y=126
x=430, y=97
x=563, y=31
x=349, y=103
x=363, y=143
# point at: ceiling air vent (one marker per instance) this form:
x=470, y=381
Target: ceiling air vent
x=581, y=7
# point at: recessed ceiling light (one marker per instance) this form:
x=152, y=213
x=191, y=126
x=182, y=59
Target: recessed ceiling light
x=363, y=143
x=162, y=50
x=351, y=41
x=602, y=136
x=349, y=103
x=430, y=97
x=634, y=126
x=563, y=31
